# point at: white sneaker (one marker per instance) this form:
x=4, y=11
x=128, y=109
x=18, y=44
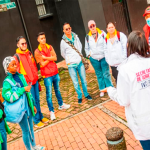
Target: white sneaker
x=64, y=106
x=38, y=147
x=101, y=94
x=52, y=114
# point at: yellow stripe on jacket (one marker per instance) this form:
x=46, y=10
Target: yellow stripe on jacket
x=98, y=30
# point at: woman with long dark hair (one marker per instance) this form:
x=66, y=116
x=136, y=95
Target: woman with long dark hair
x=133, y=88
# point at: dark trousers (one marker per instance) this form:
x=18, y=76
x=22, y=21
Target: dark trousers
x=114, y=72
x=145, y=144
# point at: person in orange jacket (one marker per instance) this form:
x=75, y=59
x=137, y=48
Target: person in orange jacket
x=26, y=65
x=45, y=56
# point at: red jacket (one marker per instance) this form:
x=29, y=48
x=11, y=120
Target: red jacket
x=146, y=29
x=27, y=66
x=51, y=68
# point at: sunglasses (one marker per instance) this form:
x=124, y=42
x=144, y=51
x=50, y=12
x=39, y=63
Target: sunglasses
x=92, y=26
x=24, y=43
x=68, y=29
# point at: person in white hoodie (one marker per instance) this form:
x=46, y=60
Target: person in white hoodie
x=94, y=49
x=73, y=61
x=115, y=48
x=133, y=88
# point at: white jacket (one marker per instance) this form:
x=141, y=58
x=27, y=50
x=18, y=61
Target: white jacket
x=68, y=53
x=116, y=53
x=95, y=49
x=133, y=92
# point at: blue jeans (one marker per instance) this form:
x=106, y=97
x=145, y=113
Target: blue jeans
x=73, y=74
x=4, y=135
x=35, y=93
x=145, y=144
x=26, y=125
x=48, y=84
x=102, y=72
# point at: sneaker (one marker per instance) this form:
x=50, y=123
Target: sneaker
x=80, y=100
x=45, y=120
x=38, y=147
x=89, y=97
x=39, y=125
x=64, y=106
x=101, y=94
x=52, y=114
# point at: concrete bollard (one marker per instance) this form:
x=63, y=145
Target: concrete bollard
x=115, y=139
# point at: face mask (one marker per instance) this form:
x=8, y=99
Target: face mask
x=148, y=22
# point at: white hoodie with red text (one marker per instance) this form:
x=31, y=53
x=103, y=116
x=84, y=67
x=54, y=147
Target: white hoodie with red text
x=133, y=92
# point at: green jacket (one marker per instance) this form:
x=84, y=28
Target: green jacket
x=11, y=96
x=1, y=141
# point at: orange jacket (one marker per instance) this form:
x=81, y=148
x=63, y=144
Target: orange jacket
x=27, y=66
x=51, y=68
x=146, y=29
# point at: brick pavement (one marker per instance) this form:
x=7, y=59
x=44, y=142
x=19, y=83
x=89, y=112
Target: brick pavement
x=116, y=108
x=69, y=96
x=85, y=131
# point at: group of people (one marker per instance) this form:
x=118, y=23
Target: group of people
x=101, y=49
x=22, y=76
x=132, y=58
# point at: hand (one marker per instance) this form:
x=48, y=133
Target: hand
x=104, y=90
x=89, y=56
x=35, y=110
x=28, y=88
x=44, y=57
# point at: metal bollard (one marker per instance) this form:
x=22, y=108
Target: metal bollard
x=115, y=139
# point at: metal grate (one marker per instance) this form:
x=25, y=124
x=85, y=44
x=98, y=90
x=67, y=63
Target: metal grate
x=41, y=7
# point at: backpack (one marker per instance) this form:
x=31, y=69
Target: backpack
x=118, y=35
x=15, y=111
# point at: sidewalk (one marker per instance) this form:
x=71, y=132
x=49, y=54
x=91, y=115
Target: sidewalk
x=85, y=131
x=80, y=127
x=69, y=96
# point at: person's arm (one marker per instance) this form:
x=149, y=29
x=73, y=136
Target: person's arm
x=106, y=52
x=62, y=49
x=44, y=63
x=53, y=56
x=87, y=48
x=79, y=44
x=123, y=40
x=11, y=96
x=39, y=59
x=122, y=94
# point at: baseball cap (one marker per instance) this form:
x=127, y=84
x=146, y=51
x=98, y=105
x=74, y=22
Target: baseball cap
x=91, y=22
x=147, y=11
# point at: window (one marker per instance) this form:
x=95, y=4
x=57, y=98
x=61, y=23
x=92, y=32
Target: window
x=41, y=7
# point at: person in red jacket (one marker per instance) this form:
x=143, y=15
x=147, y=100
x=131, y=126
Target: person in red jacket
x=46, y=57
x=147, y=26
x=26, y=65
